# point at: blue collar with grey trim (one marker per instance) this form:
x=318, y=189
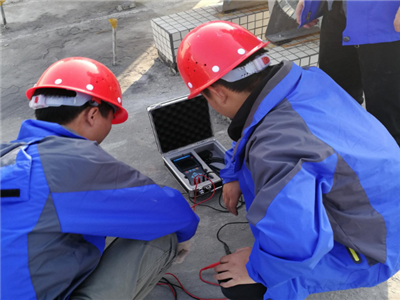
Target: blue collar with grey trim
x=276, y=89
x=40, y=129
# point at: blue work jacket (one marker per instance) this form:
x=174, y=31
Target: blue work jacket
x=368, y=22
x=321, y=182
x=61, y=196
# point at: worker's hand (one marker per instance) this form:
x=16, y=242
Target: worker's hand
x=396, y=22
x=233, y=267
x=231, y=194
x=183, y=250
x=299, y=9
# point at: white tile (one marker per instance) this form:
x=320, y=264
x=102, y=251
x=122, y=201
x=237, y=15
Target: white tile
x=259, y=16
x=236, y=21
x=244, y=25
x=259, y=24
x=184, y=33
x=291, y=13
x=297, y=62
x=243, y=20
x=310, y=52
x=251, y=26
x=285, y=53
x=294, y=50
x=291, y=57
x=264, y=29
x=278, y=49
x=258, y=31
x=275, y=55
x=314, y=59
x=177, y=43
x=265, y=22
x=301, y=54
x=305, y=61
x=251, y=18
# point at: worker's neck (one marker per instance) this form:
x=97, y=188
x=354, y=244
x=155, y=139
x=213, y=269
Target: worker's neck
x=237, y=100
x=77, y=125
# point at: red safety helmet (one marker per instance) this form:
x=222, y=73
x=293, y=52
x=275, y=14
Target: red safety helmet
x=87, y=76
x=213, y=49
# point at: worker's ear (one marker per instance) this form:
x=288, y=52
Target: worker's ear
x=92, y=114
x=219, y=93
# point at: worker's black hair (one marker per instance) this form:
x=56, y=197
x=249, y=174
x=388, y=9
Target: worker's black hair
x=64, y=114
x=246, y=84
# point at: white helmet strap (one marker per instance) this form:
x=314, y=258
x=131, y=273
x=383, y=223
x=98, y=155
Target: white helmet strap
x=42, y=101
x=255, y=66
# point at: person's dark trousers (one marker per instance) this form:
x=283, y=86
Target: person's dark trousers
x=244, y=291
x=370, y=69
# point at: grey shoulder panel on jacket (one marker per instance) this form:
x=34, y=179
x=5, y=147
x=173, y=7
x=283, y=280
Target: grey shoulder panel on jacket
x=58, y=262
x=73, y=165
x=275, y=153
x=355, y=223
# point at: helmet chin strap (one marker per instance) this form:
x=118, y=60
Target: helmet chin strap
x=255, y=66
x=42, y=101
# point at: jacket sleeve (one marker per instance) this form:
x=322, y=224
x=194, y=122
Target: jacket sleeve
x=95, y=194
x=312, y=10
x=292, y=228
x=228, y=173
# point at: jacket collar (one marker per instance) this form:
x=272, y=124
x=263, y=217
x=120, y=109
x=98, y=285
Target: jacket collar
x=276, y=90
x=36, y=130
x=238, y=122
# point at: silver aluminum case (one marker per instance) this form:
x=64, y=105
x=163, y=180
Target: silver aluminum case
x=204, y=187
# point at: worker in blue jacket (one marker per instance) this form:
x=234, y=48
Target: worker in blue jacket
x=320, y=176
x=62, y=194
x=360, y=50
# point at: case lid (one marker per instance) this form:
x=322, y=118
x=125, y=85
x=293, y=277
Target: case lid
x=180, y=122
